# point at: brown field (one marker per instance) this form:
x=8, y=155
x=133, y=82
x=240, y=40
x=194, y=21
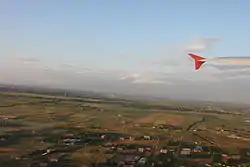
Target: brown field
x=140, y=142
x=89, y=155
x=225, y=141
x=162, y=118
x=176, y=119
x=7, y=149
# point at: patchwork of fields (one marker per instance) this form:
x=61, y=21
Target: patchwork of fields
x=27, y=119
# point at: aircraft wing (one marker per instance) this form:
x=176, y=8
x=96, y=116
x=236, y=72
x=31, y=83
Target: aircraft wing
x=233, y=61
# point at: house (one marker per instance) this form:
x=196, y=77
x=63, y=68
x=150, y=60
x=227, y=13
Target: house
x=147, y=137
x=141, y=149
x=71, y=141
x=197, y=149
x=185, y=152
x=163, y=150
x=7, y=117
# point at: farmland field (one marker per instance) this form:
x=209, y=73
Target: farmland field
x=28, y=119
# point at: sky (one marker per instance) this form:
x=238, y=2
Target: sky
x=132, y=47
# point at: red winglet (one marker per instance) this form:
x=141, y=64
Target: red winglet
x=198, y=60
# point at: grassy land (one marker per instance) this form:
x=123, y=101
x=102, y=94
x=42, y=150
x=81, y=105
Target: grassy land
x=91, y=113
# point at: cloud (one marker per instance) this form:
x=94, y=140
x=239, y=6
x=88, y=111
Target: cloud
x=27, y=59
x=132, y=76
x=176, y=56
x=144, y=79
x=169, y=72
x=148, y=81
x=229, y=67
x=173, y=66
x=195, y=47
x=178, y=67
x=201, y=44
x=65, y=65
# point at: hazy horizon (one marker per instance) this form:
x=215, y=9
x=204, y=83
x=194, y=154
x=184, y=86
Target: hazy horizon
x=127, y=47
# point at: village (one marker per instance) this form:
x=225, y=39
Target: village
x=42, y=131
x=126, y=150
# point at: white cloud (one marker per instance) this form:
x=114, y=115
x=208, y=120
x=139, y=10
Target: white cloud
x=195, y=47
x=148, y=81
x=24, y=59
x=132, y=76
x=201, y=44
x=170, y=73
x=29, y=59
